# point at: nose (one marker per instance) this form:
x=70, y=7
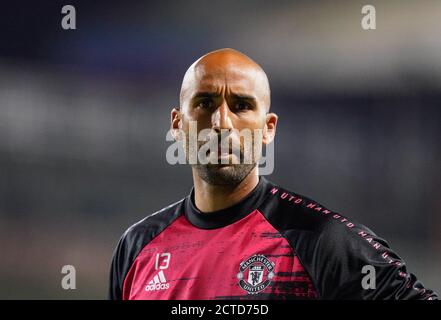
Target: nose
x=221, y=117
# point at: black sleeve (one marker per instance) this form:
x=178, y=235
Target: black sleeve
x=117, y=271
x=333, y=250
x=133, y=241
x=129, y=246
x=343, y=251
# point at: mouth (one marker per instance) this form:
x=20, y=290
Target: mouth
x=223, y=154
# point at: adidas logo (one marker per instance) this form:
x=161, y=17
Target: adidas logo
x=158, y=283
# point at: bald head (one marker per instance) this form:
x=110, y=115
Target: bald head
x=226, y=71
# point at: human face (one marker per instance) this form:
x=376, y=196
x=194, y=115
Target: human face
x=225, y=97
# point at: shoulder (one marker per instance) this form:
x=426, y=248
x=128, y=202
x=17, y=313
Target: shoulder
x=290, y=211
x=147, y=228
x=335, y=249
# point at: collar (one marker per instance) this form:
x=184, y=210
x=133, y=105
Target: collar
x=227, y=216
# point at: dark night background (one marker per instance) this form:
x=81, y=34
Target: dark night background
x=84, y=114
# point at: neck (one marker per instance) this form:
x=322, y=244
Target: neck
x=209, y=198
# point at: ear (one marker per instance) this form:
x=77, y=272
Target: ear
x=270, y=128
x=175, y=123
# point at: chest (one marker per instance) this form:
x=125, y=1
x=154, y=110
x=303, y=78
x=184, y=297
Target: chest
x=248, y=259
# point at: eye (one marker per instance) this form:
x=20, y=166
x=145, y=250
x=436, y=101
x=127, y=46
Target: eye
x=242, y=106
x=205, y=104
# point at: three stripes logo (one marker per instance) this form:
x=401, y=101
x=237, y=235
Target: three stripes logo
x=158, y=283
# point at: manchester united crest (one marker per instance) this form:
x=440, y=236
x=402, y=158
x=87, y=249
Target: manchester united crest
x=255, y=273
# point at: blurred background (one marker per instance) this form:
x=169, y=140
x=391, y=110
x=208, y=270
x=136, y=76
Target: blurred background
x=84, y=115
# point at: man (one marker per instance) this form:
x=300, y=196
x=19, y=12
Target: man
x=237, y=235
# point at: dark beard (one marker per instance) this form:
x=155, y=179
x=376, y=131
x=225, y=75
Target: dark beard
x=230, y=174
x=222, y=174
